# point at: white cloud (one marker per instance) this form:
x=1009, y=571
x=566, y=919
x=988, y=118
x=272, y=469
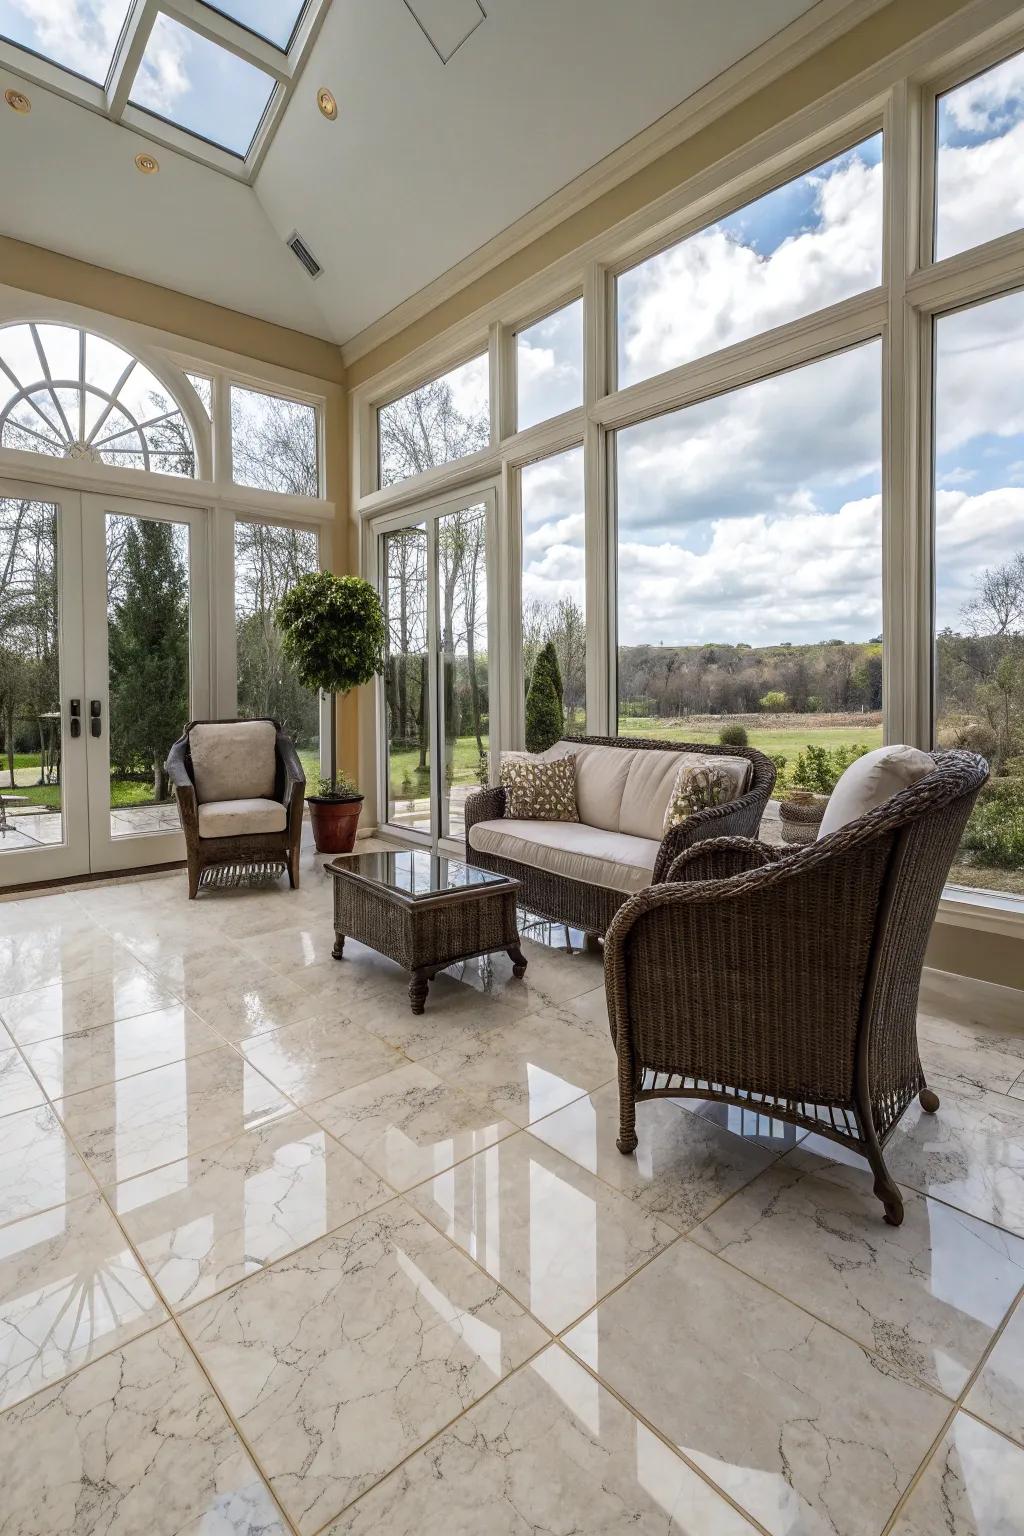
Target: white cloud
x=980, y=193
x=710, y=290
x=79, y=33
x=980, y=105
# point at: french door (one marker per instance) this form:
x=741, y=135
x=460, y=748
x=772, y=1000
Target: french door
x=440, y=674
x=104, y=656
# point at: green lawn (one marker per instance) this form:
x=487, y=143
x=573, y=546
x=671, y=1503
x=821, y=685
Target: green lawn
x=767, y=736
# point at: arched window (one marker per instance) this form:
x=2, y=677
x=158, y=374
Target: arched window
x=73, y=395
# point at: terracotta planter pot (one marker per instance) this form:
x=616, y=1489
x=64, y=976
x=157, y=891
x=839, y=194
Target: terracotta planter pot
x=334, y=823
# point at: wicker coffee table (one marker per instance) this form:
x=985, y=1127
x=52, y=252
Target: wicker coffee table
x=425, y=912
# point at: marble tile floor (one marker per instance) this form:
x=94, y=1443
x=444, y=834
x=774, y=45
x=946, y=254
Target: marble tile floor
x=278, y=1257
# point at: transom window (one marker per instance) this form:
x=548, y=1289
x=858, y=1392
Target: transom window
x=70, y=394
x=435, y=424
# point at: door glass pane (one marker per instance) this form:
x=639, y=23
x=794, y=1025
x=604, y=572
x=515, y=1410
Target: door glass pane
x=406, y=677
x=750, y=569
x=462, y=624
x=554, y=578
x=30, y=683
x=148, y=651
x=269, y=559
x=979, y=575
x=806, y=245
x=977, y=175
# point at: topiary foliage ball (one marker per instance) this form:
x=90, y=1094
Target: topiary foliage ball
x=332, y=631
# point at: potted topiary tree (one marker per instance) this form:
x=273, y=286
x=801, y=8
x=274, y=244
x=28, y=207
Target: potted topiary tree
x=333, y=633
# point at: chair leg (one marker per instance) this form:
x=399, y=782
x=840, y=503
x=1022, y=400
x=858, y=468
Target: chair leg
x=194, y=872
x=627, y=1138
x=929, y=1100
x=886, y=1188
x=293, y=869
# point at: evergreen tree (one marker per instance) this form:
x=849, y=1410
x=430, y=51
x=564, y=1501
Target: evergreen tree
x=544, y=717
x=148, y=630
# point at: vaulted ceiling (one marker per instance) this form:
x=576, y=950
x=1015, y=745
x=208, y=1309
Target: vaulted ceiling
x=427, y=160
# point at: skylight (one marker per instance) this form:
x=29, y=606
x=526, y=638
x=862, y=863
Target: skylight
x=201, y=87
x=80, y=35
x=273, y=19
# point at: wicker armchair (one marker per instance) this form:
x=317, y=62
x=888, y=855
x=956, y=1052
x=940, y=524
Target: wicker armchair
x=244, y=813
x=788, y=980
x=591, y=907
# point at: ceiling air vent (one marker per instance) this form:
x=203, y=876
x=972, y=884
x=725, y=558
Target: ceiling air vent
x=303, y=253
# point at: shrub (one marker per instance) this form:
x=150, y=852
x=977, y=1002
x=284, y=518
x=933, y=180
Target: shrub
x=774, y=702
x=544, y=717
x=733, y=736
x=819, y=769
x=995, y=832
x=968, y=736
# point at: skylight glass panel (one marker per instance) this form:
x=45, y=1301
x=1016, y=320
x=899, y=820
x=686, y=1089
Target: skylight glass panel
x=80, y=35
x=273, y=19
x=201, y=87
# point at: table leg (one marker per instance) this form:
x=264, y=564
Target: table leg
x=518, y=959
x=339, y=946
x=419, y=985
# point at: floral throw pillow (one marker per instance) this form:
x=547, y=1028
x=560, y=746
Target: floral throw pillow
x=540, y=791
x=697, y=788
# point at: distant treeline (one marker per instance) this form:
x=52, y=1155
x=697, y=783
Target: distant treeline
x=835, y=676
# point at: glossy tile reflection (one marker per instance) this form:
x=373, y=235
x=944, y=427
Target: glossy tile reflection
x=39, y=1167
x=135, y=1443
x=997, y=1396
x=87, y=1058
x=390, y=1334
x=129, y=1127
x=126, y=990
x=550, y=1450
x=203, y=1223
x=972, y=1486
x=70, y=1290
x=409, y=1125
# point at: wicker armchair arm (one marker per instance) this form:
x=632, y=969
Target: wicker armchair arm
x=720, y=857
x=738, y=818
x=176, y=769
x=294, y=788
x=484, y=805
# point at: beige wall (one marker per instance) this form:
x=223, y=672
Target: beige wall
x=989, y=956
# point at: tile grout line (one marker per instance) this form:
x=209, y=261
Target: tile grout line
x=957, y=1407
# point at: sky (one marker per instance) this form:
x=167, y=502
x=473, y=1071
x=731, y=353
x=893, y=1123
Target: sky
x=183, y=76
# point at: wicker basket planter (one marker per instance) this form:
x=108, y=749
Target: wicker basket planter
x=801, y=815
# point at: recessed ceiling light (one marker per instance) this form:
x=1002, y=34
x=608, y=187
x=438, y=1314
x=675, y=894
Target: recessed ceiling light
x=147, y=164
x=327, y=104
x=17, y=101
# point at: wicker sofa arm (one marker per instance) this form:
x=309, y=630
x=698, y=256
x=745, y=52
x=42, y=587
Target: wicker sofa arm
x=483, y=805
x=738, y=818
x=718, y=858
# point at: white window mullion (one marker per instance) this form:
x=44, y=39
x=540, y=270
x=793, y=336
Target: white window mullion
x=599, y=547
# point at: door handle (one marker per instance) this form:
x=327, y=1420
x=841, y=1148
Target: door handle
x=95, y=717
x=75, y=710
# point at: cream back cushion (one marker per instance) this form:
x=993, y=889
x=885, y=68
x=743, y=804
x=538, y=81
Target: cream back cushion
x=601, y=774
x=236, y=760
x=646, y=793
x=871, y=781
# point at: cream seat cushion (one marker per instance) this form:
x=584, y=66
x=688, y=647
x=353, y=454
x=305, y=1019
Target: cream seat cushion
x=241, y=818
x=571, y=849
x=236, y=759
x=872, y=780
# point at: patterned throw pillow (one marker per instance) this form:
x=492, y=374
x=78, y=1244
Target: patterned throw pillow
x=540, y=791
x=698, y=788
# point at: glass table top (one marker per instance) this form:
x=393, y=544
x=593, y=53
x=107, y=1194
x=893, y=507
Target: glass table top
x=415, y=874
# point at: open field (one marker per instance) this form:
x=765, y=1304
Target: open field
x=774, y=734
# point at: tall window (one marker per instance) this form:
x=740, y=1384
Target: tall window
x=435, y=424
x=69, y=394
x=554, y=576
x=808, y=244
x=980, y=142
x=979, y=573
x=269, y=559
x=750, y=564
x=273, y=443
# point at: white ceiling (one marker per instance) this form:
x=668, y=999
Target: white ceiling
x=425, y=163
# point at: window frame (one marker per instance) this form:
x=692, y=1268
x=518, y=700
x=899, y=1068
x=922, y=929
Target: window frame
x=898, y=97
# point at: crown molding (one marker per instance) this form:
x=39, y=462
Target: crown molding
x=809, y=34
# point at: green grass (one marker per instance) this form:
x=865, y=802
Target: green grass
x=787, y=740
x=465, y=768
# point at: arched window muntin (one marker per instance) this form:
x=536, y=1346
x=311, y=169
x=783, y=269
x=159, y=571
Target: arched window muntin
x=60, y=408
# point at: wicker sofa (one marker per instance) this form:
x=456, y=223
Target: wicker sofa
x=787, y=981
x=581, y=873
